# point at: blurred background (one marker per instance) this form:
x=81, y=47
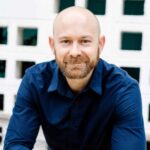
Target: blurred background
x=25, y=26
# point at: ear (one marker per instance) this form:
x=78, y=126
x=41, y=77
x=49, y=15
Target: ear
x=51, y=44
x=101, y=43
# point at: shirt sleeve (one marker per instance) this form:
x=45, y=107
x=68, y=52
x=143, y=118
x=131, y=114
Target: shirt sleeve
x=128, y=132
x=24, y=123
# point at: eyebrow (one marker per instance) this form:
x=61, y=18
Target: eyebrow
x=82, y=37
x=63, y=37
x=86, y=36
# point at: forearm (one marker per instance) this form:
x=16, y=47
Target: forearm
x=130, y=143
x=15, y=147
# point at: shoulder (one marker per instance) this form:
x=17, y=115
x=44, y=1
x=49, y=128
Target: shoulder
x=40, y=74
x=123, y=89
x=119, y=85
x=44, y=67
x=114, y=75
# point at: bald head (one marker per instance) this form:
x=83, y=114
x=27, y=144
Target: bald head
x=77, y=15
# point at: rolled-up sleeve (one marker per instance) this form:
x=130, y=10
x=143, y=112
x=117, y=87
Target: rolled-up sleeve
x=24, y=123
x=128, y=132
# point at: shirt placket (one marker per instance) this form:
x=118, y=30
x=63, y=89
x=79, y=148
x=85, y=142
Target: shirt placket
x=74, y=123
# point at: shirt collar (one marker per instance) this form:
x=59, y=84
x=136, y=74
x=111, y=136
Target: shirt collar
x=54, y=82
x=58, y=82
x=96, y=80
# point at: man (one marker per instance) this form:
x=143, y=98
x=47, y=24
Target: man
x=82, y=102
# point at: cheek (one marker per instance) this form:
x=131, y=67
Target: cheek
x=59, y=55
x=58, y=49
x=61, y=50
x=93, y=53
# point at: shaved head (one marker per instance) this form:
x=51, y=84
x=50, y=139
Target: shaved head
x=77, y=15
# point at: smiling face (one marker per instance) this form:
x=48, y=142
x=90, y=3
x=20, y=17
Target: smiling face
x=76, y=42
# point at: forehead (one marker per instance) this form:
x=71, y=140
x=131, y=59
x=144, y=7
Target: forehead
x=75, y=23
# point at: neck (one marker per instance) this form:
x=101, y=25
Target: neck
x=78, y=85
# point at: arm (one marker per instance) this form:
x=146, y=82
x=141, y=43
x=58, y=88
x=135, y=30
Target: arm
x=24, y=123
x=128, y=131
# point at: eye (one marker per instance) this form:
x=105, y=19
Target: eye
x=85, y=41
x=65, y=42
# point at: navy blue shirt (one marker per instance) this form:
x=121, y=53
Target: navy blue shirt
x=106, y=115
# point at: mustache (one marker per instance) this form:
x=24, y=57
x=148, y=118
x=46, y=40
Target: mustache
x=76, y=60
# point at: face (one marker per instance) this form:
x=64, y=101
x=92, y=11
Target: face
x=76, y=46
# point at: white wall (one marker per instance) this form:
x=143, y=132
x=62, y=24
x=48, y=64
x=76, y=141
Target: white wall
x=40, y=14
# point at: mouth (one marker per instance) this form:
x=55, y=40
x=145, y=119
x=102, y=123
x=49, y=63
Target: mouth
x=76, y=66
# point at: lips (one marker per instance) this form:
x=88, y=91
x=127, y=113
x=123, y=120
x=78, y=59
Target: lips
x=75, y=65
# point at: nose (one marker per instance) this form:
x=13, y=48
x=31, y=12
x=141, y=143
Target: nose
x=75, y=50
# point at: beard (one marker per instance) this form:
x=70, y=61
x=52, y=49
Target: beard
x=77, y=67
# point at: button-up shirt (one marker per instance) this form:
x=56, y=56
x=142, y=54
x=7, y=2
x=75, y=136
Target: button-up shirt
x=106, y=115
